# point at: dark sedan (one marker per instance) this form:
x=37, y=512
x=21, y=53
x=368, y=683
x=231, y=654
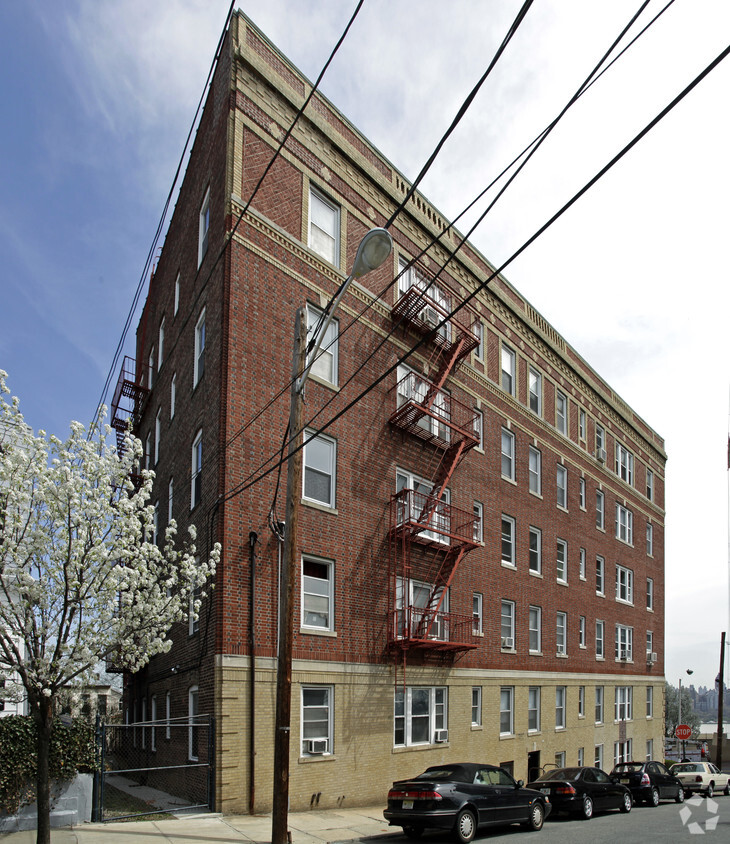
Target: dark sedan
x=461, y=798
x=649, y=782
x=582, y=791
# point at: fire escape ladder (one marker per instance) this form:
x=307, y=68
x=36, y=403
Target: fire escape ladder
x=451, y=360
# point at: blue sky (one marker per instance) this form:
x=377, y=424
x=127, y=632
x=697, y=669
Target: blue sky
x=98, y=96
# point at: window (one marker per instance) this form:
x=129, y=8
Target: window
x=173, y=391
x=419, y=713
x=203, y=227
x=535, y=552
x=479, y=428
x=153, y=718
x=158, y=434
x=649, y=750
x=600, y=443
x=623, y=703
x=478, y=529
x=199, y=362
x=622, y=752
x=476, y=706
x=508, y=454
x=508, y=540
x=535, y=630
x=169, y=501
x=176, y=304
x=582, y=493
x=561, y=556
x=600, y=510
x=599, y=704
x=600, y=576
x=560, y=693
x=197, y=467
x=412, y=598
x=581, y=755
x=649, y=593
x=148, y=457
x=508, y=624
x=561, y=412
x=535, y=470
x=326, y=364
x=506, y=710
x=317, y=593
x=533, y=709
x=650, y=701
x=560, y=759
x=624, y=464
x=160, y=343
x=649, y=539
x=561, y=626
x=478, y=328
x=582, y=425
x=151, y=369
x=649, y=484
x=477, y=604
x=320, y=456
x=581, y=702
x=416, y=492
x=582, y=564
x=508, y=370
x=624, y=524
x=193, y=728
x=155, y=522
x=624, y=585
x=598, y=756
x=535, y=391
x=601, y=639
x=562, y=487
x=649, y=644
x=624, y=642
x=324, y=227
x=437, y=300
x=582, y=632
x=316, y=720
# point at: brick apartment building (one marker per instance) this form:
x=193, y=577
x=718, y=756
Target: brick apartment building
x=481, y=538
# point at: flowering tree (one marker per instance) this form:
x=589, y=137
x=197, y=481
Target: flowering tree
x=81, y=577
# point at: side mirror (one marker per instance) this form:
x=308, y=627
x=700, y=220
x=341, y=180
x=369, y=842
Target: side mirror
x=519, y=783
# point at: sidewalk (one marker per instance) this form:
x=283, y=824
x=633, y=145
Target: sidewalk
x=314, y=827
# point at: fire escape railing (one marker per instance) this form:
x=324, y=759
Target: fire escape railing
x=420, y=310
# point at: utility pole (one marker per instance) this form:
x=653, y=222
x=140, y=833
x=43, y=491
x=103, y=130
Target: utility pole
x=279, y=834
x=721, y=703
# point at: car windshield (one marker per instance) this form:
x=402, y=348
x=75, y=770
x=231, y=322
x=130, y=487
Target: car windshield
x=561, y=774
x=446, y=774
x=688, y=768
x=627, y=768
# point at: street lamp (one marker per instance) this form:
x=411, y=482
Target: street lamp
x=373, y=250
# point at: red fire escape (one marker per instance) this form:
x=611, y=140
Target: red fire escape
x=129, y=396
x=428, y=536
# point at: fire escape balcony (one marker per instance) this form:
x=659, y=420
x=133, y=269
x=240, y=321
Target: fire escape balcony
x=129, y=397
x=427, y=520
x=418, y=628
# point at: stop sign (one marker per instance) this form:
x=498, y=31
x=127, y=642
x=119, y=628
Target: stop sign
x=683, y=732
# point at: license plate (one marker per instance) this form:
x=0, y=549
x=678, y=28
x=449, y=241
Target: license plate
x=545, y=790
x=407, y=804
x=625, y=779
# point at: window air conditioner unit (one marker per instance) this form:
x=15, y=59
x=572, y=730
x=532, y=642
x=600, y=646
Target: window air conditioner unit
x=317, y=746
x=441, y=736
x=623, y=654
x=601, y=455
x=430, y=316
x=651, y=657
x=508, y=642
x=561, y=649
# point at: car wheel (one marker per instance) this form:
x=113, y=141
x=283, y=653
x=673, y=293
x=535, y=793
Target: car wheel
x=653, y=797
x=536, y=818
x=680, y=795
x=466, y=826
x=626, y=803
x=726, y=791
x=587, y=810
x=413, y=832
x=710, y=790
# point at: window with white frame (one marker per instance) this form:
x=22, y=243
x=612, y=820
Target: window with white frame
x=508, y=454
x=599, y=705
x=173, y=392
x=413, y=277
x=561, y=629
x=561, y=412
x=624, y=464
x=420, y=713
x=600, y=576
x=622, y=751
x=148, y=456
x=582, y=564
x=535, y=630
x=561, y=557
x=623, y=697
x=196, y=477
x=176, y=304
x=624, y=585
x=560, y=695
x=649, y=644
x=320, y=461
x=600, y=510
x=535, y=389
x=600, y=639
x=199, y=361
x=316, y=719
x=581, y=702
x=478, y=328
x=477, y=613
x=649, y=484
x=535, y=550
x=158, y=434
x=533, y=709
x=412, y=598
x=560, y=759
x=509, y=369
x=508, y=540
x=478, y=529
x=160, y=343
x=649, y=750
x=650, y=701
x=151, y=369
x=600, y=441
x=479, y=428
x=624, y=642
x=417, y=500
x=326, y=364
x=582, y=424
x=581, y=756
x=193, y=727
x=535, y=470
x=562, y=486
x=476, y=706
x=507, y=624
x=582, y=493
x=582, y=631
x=324, y=227
x=650, y=539
x=598, y=756
x=624, y=524
x=649, y=593
x=507, y=710
x=317, y=593
x=203, y=227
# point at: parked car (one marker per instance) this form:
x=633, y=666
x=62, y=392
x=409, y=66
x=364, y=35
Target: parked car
x=701, y=776
x=581, y=791
x=649, y=782
x=461, y=798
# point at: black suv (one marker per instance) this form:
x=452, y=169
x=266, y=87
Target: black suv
x=649, y=782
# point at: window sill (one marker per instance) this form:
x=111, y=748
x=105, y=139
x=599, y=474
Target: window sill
x=600, y=658
x=508, y=650
x=535, y=573
x=561, y=656
x=323, y=382
x=315, y=631
x=560, y=729
x=478, y=633
x=477, y=727
x=409, y=748
x=536, y=494
x=509, y=480
x=508, y=566
x=624, y=602
x=535, y=653
x=505, y=736
x=319, y=757
x=561, y=582
x=317, y=505
x=562, y=508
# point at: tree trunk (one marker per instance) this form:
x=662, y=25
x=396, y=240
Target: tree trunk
x=44, y=720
